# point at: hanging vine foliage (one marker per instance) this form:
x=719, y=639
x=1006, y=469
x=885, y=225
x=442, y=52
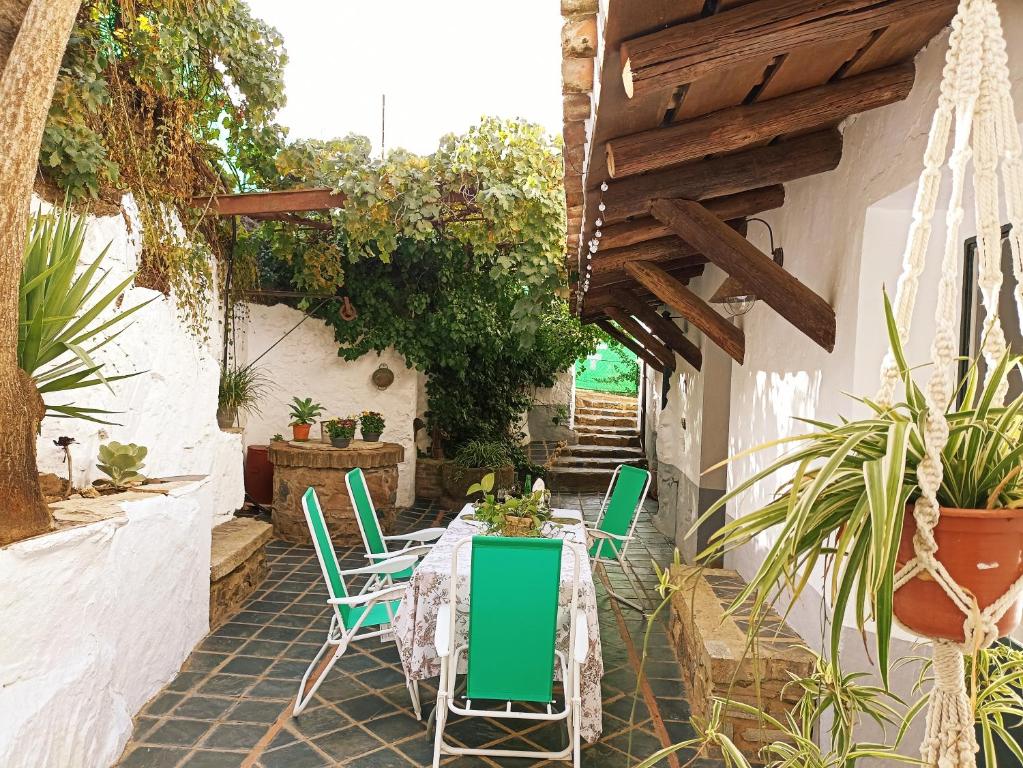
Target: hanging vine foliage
x=166, y=99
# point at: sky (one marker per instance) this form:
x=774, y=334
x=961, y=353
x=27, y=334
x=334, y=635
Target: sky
x=441, y=63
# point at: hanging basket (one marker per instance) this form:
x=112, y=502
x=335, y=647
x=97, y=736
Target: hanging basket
x=981, y=550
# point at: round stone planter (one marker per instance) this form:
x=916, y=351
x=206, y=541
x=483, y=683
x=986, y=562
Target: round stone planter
x=298, y=467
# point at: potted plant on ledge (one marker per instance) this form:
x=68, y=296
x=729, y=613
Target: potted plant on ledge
x=372, y=426
x=341, y=431
x=303, y=414
x=472, y=462
x=240, y=390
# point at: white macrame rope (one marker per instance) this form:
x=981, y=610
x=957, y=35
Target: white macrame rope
x=975, y=91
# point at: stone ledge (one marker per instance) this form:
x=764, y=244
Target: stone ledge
x=234, y=542
x=323, y=456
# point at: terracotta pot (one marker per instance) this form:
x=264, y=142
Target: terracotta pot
x=982, y=549
x=301, y=432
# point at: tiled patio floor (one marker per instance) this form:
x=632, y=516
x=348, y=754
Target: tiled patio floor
x=231, y=704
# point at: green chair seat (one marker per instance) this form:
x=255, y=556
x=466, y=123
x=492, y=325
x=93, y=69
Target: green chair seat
x=622, y=508
x=376, y=617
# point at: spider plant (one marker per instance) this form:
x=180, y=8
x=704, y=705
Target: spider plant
x=241, y=389
x=850, y=483
x=59, y=326
x=996, y=675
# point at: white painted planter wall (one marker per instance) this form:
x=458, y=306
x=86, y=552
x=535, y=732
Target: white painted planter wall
x=96, y=619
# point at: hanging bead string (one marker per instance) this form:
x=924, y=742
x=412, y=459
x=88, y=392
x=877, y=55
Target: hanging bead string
x=592, y=246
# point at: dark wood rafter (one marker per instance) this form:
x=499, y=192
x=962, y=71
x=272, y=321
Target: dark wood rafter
x=686, y=268
x=727, y=175
x=671, y=292
x=629, y=343
x=728, y=207
x=683, y=53
x=736, y=127
x=668, y=248
x=630, y=326
x=660, y=326
x=742, y=260
x=263, y=204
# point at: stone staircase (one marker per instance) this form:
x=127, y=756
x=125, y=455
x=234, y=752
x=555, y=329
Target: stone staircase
x=608, y=436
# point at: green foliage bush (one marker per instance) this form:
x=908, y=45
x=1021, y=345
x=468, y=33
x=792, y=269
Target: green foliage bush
x=483, y=454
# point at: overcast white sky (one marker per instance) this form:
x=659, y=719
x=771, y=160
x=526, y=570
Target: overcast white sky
x=442, y=64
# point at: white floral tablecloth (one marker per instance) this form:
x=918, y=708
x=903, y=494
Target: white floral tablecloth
x=415, y=624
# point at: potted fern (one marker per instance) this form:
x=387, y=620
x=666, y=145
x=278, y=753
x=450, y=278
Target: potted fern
x=240, y=389
x=850, y=500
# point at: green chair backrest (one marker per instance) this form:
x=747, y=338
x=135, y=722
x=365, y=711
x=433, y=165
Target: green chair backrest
x=324, y=549
x=513, y=617
x=367, y=516
x=623, y=505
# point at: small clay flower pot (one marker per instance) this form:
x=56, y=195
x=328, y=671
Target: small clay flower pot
x=340, y=442
x=982, y=549
x=370, y=437
x=301, y=432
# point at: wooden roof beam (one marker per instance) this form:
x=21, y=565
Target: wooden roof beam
x=686, y=52
x=668, y=248
x=736, y=127
x=641, y=334
x=660, y=326
x=686, y=268
x=671, y=292
x=742, y=260
x=728, y=207
x=262, y=203
x=727, y=175
x=629, y=343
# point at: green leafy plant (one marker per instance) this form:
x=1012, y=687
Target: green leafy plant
x=63, y=318
x=341, y=428
x=122, y=463
x=560, y=416
x=996, y=677
x=514, y=515
x=277, y=438
x=849, y=487
x=304, y=411
x=372, y=422
x=241, y=389
x=483, y=454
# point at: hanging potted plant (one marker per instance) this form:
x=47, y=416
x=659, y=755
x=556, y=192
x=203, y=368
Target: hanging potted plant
x=372, y=426
x=852, y=498
x=341, y=431
x=303, y=414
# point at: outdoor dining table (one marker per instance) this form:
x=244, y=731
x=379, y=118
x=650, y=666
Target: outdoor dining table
x=416, y=621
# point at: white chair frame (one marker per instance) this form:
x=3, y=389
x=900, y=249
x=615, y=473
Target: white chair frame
x=450, y=656
x=594, y=534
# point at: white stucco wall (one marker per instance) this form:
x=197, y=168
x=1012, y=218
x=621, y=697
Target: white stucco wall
x=170, y=407
x=96, y=620
x=306, y=364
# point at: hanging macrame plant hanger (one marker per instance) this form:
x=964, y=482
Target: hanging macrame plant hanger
x=976, y=102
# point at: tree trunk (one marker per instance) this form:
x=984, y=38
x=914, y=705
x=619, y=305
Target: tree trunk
x=26, y=90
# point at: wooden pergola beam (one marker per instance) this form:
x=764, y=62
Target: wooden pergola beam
x=671, y=292
x=726, y=175
x=666, y=248
x=648, y=357
x=686, y=268
x=728, y=207
x=742, y=260
x=686, y=52
x=641, y=334
x=263, y=203
x=735, y=127
x=661, y=327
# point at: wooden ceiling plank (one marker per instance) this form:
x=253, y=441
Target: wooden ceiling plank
x=641, y=334
x=724, y=89
x=811, y=65
x=661, y=249
x=686, y=52
x=742, y=260
x=900, y=41
x=671, y=292
x=665, y=329
x=736, y=127
x=727, y=207
x=678, y=269
x=629, y=343
x=728, y=175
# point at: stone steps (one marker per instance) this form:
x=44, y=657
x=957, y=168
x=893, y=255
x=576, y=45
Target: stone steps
x=599, y=462
x=603, y=451
x=564, y=478
x=593, y=420
x=592, y=429
x=604, y=439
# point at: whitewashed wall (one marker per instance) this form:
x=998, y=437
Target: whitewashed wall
x=96, y=620
x=170, y=407
x=306, y=364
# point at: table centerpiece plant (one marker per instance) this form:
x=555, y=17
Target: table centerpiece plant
x=303, y=414
x=372, y=425
x=341, y=431
x=503, y=514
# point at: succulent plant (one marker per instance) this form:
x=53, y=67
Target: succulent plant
x=122, y=463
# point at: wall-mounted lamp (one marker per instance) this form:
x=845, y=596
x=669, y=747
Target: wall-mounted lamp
x=736, y=298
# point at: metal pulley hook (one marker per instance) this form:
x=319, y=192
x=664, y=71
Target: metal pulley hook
x=347, y=311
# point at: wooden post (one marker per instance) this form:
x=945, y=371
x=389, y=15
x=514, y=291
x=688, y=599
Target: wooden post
x=641, y=334
x=688, y=304
x=668, y=332
x=742, y=260
x=629, y=343
x=735, y=127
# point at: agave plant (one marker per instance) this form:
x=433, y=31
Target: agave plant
x=59, y=312
x=850, y=483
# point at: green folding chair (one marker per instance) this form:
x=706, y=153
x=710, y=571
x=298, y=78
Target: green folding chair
x=368, y=614
x=609, y=537
x=510, y=651
x=415, y=543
